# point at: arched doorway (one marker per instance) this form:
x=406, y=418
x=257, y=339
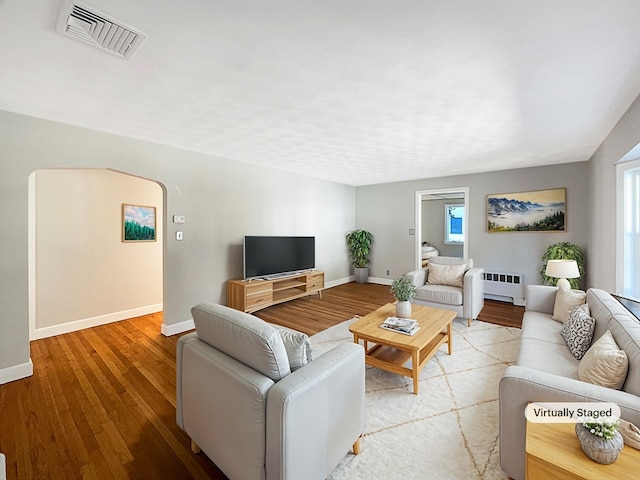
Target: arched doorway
x=81, y=272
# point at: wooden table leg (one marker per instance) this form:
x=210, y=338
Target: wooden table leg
x=415, y=369
x=450, y=341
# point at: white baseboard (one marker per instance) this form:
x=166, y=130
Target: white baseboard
x=340, y=281
x=176, y=328
x=16, y=372
x=380, y=281
x=45, y=332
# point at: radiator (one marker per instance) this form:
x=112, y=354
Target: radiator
x=500, y=286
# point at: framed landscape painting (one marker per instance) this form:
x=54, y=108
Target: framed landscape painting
x=138, y=223
x=536, y=211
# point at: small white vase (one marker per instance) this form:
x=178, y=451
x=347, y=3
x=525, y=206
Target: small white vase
x=403, y=309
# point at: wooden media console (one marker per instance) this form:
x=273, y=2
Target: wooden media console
x=253, y=295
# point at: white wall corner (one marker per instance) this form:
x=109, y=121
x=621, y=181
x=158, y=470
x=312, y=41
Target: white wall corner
x=176, y=328
x=16, y=372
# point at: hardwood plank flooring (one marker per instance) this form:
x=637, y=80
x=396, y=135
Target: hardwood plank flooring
x=101, y=402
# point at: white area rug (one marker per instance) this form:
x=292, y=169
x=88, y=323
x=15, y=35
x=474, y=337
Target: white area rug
x=449, y=430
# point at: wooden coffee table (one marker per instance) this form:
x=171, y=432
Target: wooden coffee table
x=392, y=350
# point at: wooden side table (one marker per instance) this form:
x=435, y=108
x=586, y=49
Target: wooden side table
x=553, y=451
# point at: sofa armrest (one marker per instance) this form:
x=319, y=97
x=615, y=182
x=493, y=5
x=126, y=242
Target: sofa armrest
x=316, y=414
x=418, y=277
x=473, y=292
x=520, y=385
x=541, y=298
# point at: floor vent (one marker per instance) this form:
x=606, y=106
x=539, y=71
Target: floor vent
x=500, y=286
x=90, y=26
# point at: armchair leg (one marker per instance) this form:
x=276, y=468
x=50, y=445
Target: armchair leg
x=469, y=321
x=356, y=447
x=194, y=447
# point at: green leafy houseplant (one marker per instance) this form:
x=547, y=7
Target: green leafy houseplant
x=605, y=430
x=359, y=245
x=403, y=289
x=563, y=251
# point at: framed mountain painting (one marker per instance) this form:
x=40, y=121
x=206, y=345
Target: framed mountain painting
x=138, y=223
x=535, y=211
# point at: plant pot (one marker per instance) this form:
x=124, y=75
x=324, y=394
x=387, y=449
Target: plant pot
x=361, y=274
x=597, y=448
x=403, y=309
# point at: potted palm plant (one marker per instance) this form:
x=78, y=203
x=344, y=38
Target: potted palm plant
x=359, y=246
x=404, y=291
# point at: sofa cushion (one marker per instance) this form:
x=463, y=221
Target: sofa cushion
x=577, y=332
x=244, y=337
x=540, y=326
x=604, y=364
x=446, y=274
x=565, y=301
x=297, y=346
x=444, y=294
x=548, y=357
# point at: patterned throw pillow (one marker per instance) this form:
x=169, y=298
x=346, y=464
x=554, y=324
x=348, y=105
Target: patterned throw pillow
x=578, y=331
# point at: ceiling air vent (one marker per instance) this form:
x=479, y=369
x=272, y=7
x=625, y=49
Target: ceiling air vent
x=88, y=25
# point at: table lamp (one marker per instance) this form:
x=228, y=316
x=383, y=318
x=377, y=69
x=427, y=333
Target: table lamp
x=562, y=269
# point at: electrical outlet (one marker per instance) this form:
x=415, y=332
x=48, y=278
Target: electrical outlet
x=178, y=219
x=388, y=272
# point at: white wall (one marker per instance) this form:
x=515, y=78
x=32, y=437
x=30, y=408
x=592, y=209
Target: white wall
x=84, y=273
x=387, y=211
x=222, y=200
x=602, y=197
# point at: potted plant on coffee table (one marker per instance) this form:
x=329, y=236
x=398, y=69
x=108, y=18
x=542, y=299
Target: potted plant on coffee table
x=404, y=291
x=359, y=245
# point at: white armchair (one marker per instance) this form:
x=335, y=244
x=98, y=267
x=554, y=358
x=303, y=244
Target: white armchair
x=451, y=283
x=251, y=398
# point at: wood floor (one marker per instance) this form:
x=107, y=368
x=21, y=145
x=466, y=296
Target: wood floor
x=101, y=402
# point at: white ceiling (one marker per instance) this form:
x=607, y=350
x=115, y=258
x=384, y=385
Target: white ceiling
x=356, y=92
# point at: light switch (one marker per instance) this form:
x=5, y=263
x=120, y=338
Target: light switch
x=178, y=219
x=179, y=235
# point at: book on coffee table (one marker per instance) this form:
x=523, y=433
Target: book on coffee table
x=406, y=326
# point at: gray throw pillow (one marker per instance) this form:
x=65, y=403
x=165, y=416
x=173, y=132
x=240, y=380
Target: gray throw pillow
x=297, y=346
x=578, y=331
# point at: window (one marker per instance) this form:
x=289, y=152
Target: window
x=629, y=229
x=453, y=223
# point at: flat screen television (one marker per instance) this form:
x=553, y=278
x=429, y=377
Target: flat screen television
x=266, y=256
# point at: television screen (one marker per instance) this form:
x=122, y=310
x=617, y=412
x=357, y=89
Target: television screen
x=271, y=256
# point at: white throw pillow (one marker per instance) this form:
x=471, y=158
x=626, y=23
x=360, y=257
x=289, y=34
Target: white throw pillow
x=297, y=346
x=446, y=274
x=604, y=363
x=565, y=301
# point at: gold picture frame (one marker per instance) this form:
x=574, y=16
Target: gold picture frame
x=138, y=223
x=533, y=211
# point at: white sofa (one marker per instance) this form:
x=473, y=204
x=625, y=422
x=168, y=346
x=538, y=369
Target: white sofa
x=466, y=299
x=241, y=403
x=546, y=371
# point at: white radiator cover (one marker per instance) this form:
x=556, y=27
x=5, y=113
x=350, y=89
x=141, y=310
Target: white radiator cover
x=503, y=286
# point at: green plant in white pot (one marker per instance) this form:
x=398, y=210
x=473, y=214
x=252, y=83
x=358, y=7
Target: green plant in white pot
x=359, y=245
x=404, y=291
x=563, y=251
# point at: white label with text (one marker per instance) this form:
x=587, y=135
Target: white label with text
x=572, y=412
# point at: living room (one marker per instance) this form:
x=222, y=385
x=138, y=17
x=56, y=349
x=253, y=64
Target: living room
x=223, y=199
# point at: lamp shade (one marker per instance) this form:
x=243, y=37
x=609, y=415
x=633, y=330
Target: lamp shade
x=562, y=269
